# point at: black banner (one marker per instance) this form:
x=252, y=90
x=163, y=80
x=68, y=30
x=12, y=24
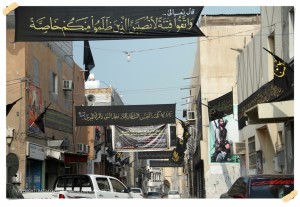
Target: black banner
x=264, y=94
x=59, y=121
x=155, y=155
x=129, y=115
x=140, y=138
x=221, y=106
x=156, y=163
x=71, y=23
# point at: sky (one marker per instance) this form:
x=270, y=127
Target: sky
x=156, y=74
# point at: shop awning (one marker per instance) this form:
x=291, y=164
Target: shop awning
x=54, y=153
x=273, y=112
x=59, y=143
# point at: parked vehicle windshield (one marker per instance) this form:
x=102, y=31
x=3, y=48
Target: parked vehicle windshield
x=136, y=190
x=273, y=188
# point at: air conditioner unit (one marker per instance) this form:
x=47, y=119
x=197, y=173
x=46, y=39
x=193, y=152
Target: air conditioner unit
x=86, y=148
x=239, y=148
x=123, y=174
x=80, y=147
x=191, y=115
x=10, y=132
x=67, y=85
x=116, y=170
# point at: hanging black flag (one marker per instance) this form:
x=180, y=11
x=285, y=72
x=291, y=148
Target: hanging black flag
x=110, y=152
x=88, y=59
x=9, y=106
x=40, y=120
x=177, y=157
x=125, y=161
x=283, y=72
x=220, y=107
x=118, y=156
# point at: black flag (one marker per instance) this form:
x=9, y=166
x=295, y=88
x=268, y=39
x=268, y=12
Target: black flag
x=125, y=161
x=88, y=59
x=9, y=106
x=283, y=73
x=40, y=120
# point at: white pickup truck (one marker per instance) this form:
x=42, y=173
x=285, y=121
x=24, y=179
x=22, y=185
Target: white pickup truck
x=83, y=186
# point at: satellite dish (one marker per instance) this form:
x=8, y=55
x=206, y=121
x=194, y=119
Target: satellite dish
x=90, y=99
x=12, y=165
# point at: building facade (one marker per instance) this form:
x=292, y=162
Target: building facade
x=266, y=98
x=214, y=75
x=42, y=74
x=100, y=139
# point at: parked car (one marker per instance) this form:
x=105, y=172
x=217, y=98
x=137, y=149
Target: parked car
x=153, y=195
x=174, y=194
x=261, y=186
x=83, y=186
x=12, y=192
x=137, y=193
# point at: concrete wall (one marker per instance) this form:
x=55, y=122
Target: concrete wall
x=32, y=63
x=255, y=68
x=225, y=37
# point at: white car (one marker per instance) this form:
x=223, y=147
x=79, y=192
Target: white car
x=174, y=194
x=136, y=193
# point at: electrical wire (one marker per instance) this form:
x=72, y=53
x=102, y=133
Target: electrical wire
x=188, y=43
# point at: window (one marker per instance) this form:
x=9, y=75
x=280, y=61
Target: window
x=271, y=42
x=82, y=184
x=36, y=72
x=239, y=187
x=252, y=153
x=291, y=33
x=103, y=184
x=118, y=187
x=54, y=86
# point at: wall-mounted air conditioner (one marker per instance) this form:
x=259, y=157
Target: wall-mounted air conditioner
x=239, y=148
x=191, y=115
x=10, y=132
x=67, y=85
x=123, y=174
x=86, y=148
x=80, y=147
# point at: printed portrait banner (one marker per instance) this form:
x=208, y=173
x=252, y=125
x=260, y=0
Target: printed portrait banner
x=155, y=155
x=71, y=23
x=139, y=138
x=221, y=106
x=222, y=135
x=125, y=115
x=156, y=163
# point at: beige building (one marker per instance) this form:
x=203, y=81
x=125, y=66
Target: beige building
x=99, y=137
x=232, y=58
x=215, y=74
x=42, y=74
x=268, y=133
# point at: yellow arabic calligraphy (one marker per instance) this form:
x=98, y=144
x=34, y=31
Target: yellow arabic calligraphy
x=106, y=24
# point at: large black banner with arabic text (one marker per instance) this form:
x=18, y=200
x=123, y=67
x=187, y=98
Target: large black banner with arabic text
x=157, y=163
x=129, y=115
x=155, y=155
x=71, y=23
